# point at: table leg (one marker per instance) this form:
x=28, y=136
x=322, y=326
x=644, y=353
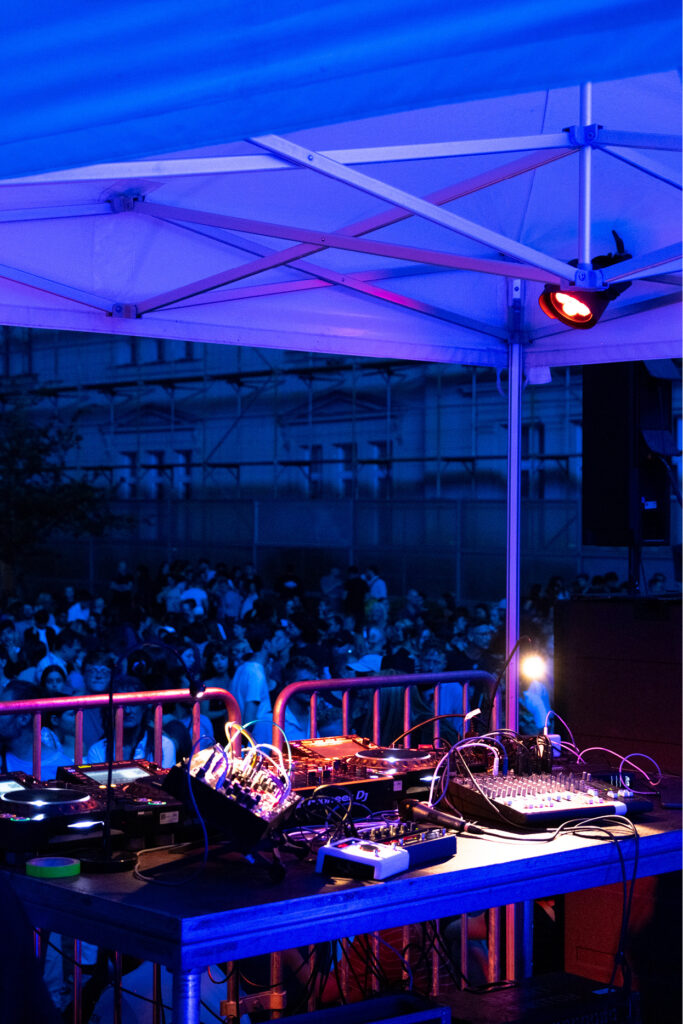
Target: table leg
x=276, y=979
x=186, y=996
x=494, y=967
x=77, y=982
x=118, y=974
x=157, y=996
x=464, y=951
x=374, y=952
x=519, y=939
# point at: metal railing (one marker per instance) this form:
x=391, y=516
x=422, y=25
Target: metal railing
x=377, y=684
x=157, y=698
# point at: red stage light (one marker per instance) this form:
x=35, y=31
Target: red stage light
x=572, y=307
x=580, y=309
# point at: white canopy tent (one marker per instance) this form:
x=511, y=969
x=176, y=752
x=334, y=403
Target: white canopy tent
x=394, y=179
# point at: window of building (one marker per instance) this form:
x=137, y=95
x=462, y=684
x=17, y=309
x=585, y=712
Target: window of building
x=157, y=481
x=533, y=469
x=128, y=480
x=346, y=469
x=313, y=470
x=182, y=474
x=383, y=468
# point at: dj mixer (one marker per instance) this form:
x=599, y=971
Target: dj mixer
x=538, y=801
x=332, y=769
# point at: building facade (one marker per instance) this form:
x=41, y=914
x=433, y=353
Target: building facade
x=239, y=454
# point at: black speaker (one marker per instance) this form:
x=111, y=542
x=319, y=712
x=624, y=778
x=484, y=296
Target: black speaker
x=627, y=438
x=617, y=668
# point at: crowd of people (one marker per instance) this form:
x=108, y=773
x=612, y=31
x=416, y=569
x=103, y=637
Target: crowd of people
x=228, y=628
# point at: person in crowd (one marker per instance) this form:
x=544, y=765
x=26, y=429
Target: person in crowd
x=557, y=591
x=65, y=652
x=238, y=645
x=216, y=674
x=281, y=651
x=598, y=585
x=54, y=682
x=58, y=735
x=138, y=733
x=249, y=575
x=217, y=665
x=377, y=600
x=414, y=608
x=16, y=662
x=656, y=584
x=121, y=591
x=4, y=679
x=297, y=710
x=289, y=584
x=353, y=604
x=80, y=609
x=249, y=601
x=169, y=595
x=195, y=594
x=41, y=629
x=397, y=657
x=332, y=588
x=64, y=602
x=250, y=683
x=297, y=723
x=98, y=669
x=16, y=735
x=579, y=585
x=32, y=651
x=227, y=598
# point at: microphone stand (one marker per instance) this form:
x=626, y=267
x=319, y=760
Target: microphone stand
x=486, y=717
x=105, y=862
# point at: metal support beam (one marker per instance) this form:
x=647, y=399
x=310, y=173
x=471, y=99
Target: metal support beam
x=185, y=167
x=648, y=166
x=398, y=197
x=585, y=180
x=386, y=218
x=337, y=240
x=64, y=291
x=667, y=259
x=54, y=212
x=639, y=140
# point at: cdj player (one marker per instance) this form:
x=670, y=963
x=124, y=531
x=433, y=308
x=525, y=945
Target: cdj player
x=32, y=813
x=140, y=804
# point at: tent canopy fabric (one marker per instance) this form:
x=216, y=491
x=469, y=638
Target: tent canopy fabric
x=89, y=83
x=394, y=179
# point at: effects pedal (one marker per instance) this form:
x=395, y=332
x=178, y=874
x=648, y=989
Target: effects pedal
x=383, y=852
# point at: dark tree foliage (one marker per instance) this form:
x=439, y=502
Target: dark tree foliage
x=39, y=495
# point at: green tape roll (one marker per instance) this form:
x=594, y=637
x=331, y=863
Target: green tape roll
x=53, y=867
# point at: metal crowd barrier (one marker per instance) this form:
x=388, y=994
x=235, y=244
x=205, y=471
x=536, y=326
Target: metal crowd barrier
x=119, y=700
x=377, y=684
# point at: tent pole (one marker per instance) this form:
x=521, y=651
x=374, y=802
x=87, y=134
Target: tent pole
x=518, y=937
x=585, y=173
x=513, y=501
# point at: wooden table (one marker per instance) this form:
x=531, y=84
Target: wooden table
x=232, y=909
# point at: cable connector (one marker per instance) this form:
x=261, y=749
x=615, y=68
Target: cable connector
x=555, y=742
